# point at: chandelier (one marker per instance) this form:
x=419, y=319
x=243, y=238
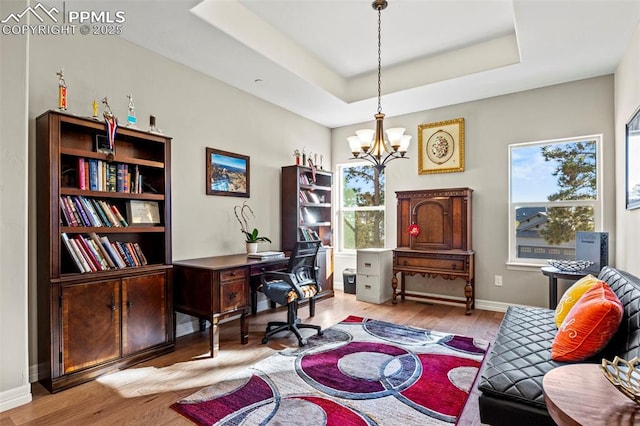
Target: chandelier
x=369, y=144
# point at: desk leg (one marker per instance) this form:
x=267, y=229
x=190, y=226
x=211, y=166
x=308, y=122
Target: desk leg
x=254, y=301
x=244, y=328
x=553, y=292
x=214, y=337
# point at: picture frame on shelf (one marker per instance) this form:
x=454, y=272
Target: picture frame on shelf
x=102, y=145
x=441, y=147
x=143, y=212
x=228, y=173
x=632, y=174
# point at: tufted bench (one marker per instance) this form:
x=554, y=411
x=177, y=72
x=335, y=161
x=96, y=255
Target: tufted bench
x=511, y=380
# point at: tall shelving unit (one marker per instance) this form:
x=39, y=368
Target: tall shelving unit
x=306, y=214
x=91, y=322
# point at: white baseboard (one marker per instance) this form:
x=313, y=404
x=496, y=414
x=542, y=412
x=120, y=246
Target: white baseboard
x=487, y=305
x=15, y=397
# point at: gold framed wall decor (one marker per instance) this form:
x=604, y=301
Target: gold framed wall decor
x=441, y=147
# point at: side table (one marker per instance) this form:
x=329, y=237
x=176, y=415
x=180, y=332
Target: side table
x=554, y=274
x=579, y=394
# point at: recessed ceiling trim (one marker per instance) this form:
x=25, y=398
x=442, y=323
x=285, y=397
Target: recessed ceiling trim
x=233, y=18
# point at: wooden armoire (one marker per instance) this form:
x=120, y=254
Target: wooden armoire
x=434, y=240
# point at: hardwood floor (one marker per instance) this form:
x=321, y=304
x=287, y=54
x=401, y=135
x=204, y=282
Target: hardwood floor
x=142, y=394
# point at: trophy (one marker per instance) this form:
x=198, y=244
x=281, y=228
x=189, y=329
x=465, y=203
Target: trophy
x=131, y=114
x=62, y=91
x=94, y=107
x=111, y=122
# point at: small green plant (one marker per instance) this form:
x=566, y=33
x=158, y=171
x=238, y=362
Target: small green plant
x=242, y=214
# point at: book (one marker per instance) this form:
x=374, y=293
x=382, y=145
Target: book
x=107, y=211
x=105, y=253
x=123, y=252
x=141, y=255
x=65, y=215
x=263, y=255
x=84, y=250
x=72, y=252
x=80, y=209
x=82, y=183
x=81, y=256
x=93, y=215
x=98, y=209
x=132, y=253
x=119, y=216
x=93, y=174
x=113, y=251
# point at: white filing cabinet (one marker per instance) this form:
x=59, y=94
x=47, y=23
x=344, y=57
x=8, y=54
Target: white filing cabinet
x=373, y=279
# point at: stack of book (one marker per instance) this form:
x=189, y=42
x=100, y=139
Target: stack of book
x=93, y=253
x=98, y=175
x=266, y=255
x=309, y=234
x=82, y=211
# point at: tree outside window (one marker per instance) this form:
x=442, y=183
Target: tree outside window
x=554, y=192
x=362, y=216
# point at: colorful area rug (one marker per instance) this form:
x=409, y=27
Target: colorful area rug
x=360, y=372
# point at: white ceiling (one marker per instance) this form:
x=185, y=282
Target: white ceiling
x=319, y=58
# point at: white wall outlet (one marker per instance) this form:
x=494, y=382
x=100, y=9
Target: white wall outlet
x=498, y=280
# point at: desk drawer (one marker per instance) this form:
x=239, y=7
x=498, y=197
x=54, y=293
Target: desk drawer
x=259, y=269
x=453, y=264
x=233, y=274
x=233, y=296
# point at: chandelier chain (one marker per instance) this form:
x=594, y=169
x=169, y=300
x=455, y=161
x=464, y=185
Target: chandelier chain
x=379, y=60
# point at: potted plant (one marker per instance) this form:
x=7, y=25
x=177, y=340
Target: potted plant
x=252, y=237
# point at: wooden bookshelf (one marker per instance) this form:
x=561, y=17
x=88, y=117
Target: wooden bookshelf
x=94, y=321
x=306, y=214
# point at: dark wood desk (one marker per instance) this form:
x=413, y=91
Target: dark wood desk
x=579, y=394
x=218, y=287
x=554, y=274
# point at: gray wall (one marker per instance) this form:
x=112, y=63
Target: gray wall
x=574, y=109
x=627, y=95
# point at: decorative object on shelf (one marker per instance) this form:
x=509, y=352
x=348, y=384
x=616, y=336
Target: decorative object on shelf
x=227, y=173
x=252, y=237
x=94, y=109
x=143, y=212
x=297, y=155
x=570, y=265
x=153, y=128
x=441, y=147
x=62, y=91
x=111, y=121
x=633, y=161
x=624, y=375
x=131, y=112
x=371, y=145
x=414, y=230
x=321, y=157
x=104, y=146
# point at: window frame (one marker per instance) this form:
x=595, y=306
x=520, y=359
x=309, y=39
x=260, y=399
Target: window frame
x=596, y=203
x=341, y=210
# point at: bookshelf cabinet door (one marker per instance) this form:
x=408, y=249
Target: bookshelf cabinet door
x=144, y=312
x=90, y=324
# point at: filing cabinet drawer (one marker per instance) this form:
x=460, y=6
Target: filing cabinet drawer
x=373, y=289
x=373, y=261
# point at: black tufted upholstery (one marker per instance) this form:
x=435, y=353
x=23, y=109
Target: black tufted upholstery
x=511, y=381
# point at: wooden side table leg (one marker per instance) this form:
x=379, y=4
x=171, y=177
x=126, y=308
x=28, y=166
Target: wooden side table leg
x=468, y=294
x=214, y=337
x=394, y=284
x=402, y=289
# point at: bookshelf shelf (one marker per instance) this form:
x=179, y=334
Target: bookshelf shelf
x=104, y=287
x=306, y=214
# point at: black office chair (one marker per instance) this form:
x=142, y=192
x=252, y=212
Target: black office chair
x=298, y=282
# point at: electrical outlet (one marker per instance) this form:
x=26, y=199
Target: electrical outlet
x=498, y=280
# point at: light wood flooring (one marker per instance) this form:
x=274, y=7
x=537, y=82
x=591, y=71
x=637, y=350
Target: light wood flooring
x=142, y=394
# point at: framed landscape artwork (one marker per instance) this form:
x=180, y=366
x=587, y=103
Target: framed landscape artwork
x=633, y=161
x=441, y=147
x=227, y=173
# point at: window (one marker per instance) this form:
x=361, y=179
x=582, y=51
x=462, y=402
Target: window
x=361, y=214
x=554, y=191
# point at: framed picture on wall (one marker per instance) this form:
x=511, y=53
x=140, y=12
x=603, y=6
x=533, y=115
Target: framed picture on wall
x=633, y=161
x=227, y=173
x=441, y=147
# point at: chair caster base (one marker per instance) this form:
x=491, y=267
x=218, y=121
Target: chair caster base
x=265, y=341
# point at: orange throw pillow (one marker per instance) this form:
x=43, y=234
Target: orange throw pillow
x=589, y=325
x=571, y=296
